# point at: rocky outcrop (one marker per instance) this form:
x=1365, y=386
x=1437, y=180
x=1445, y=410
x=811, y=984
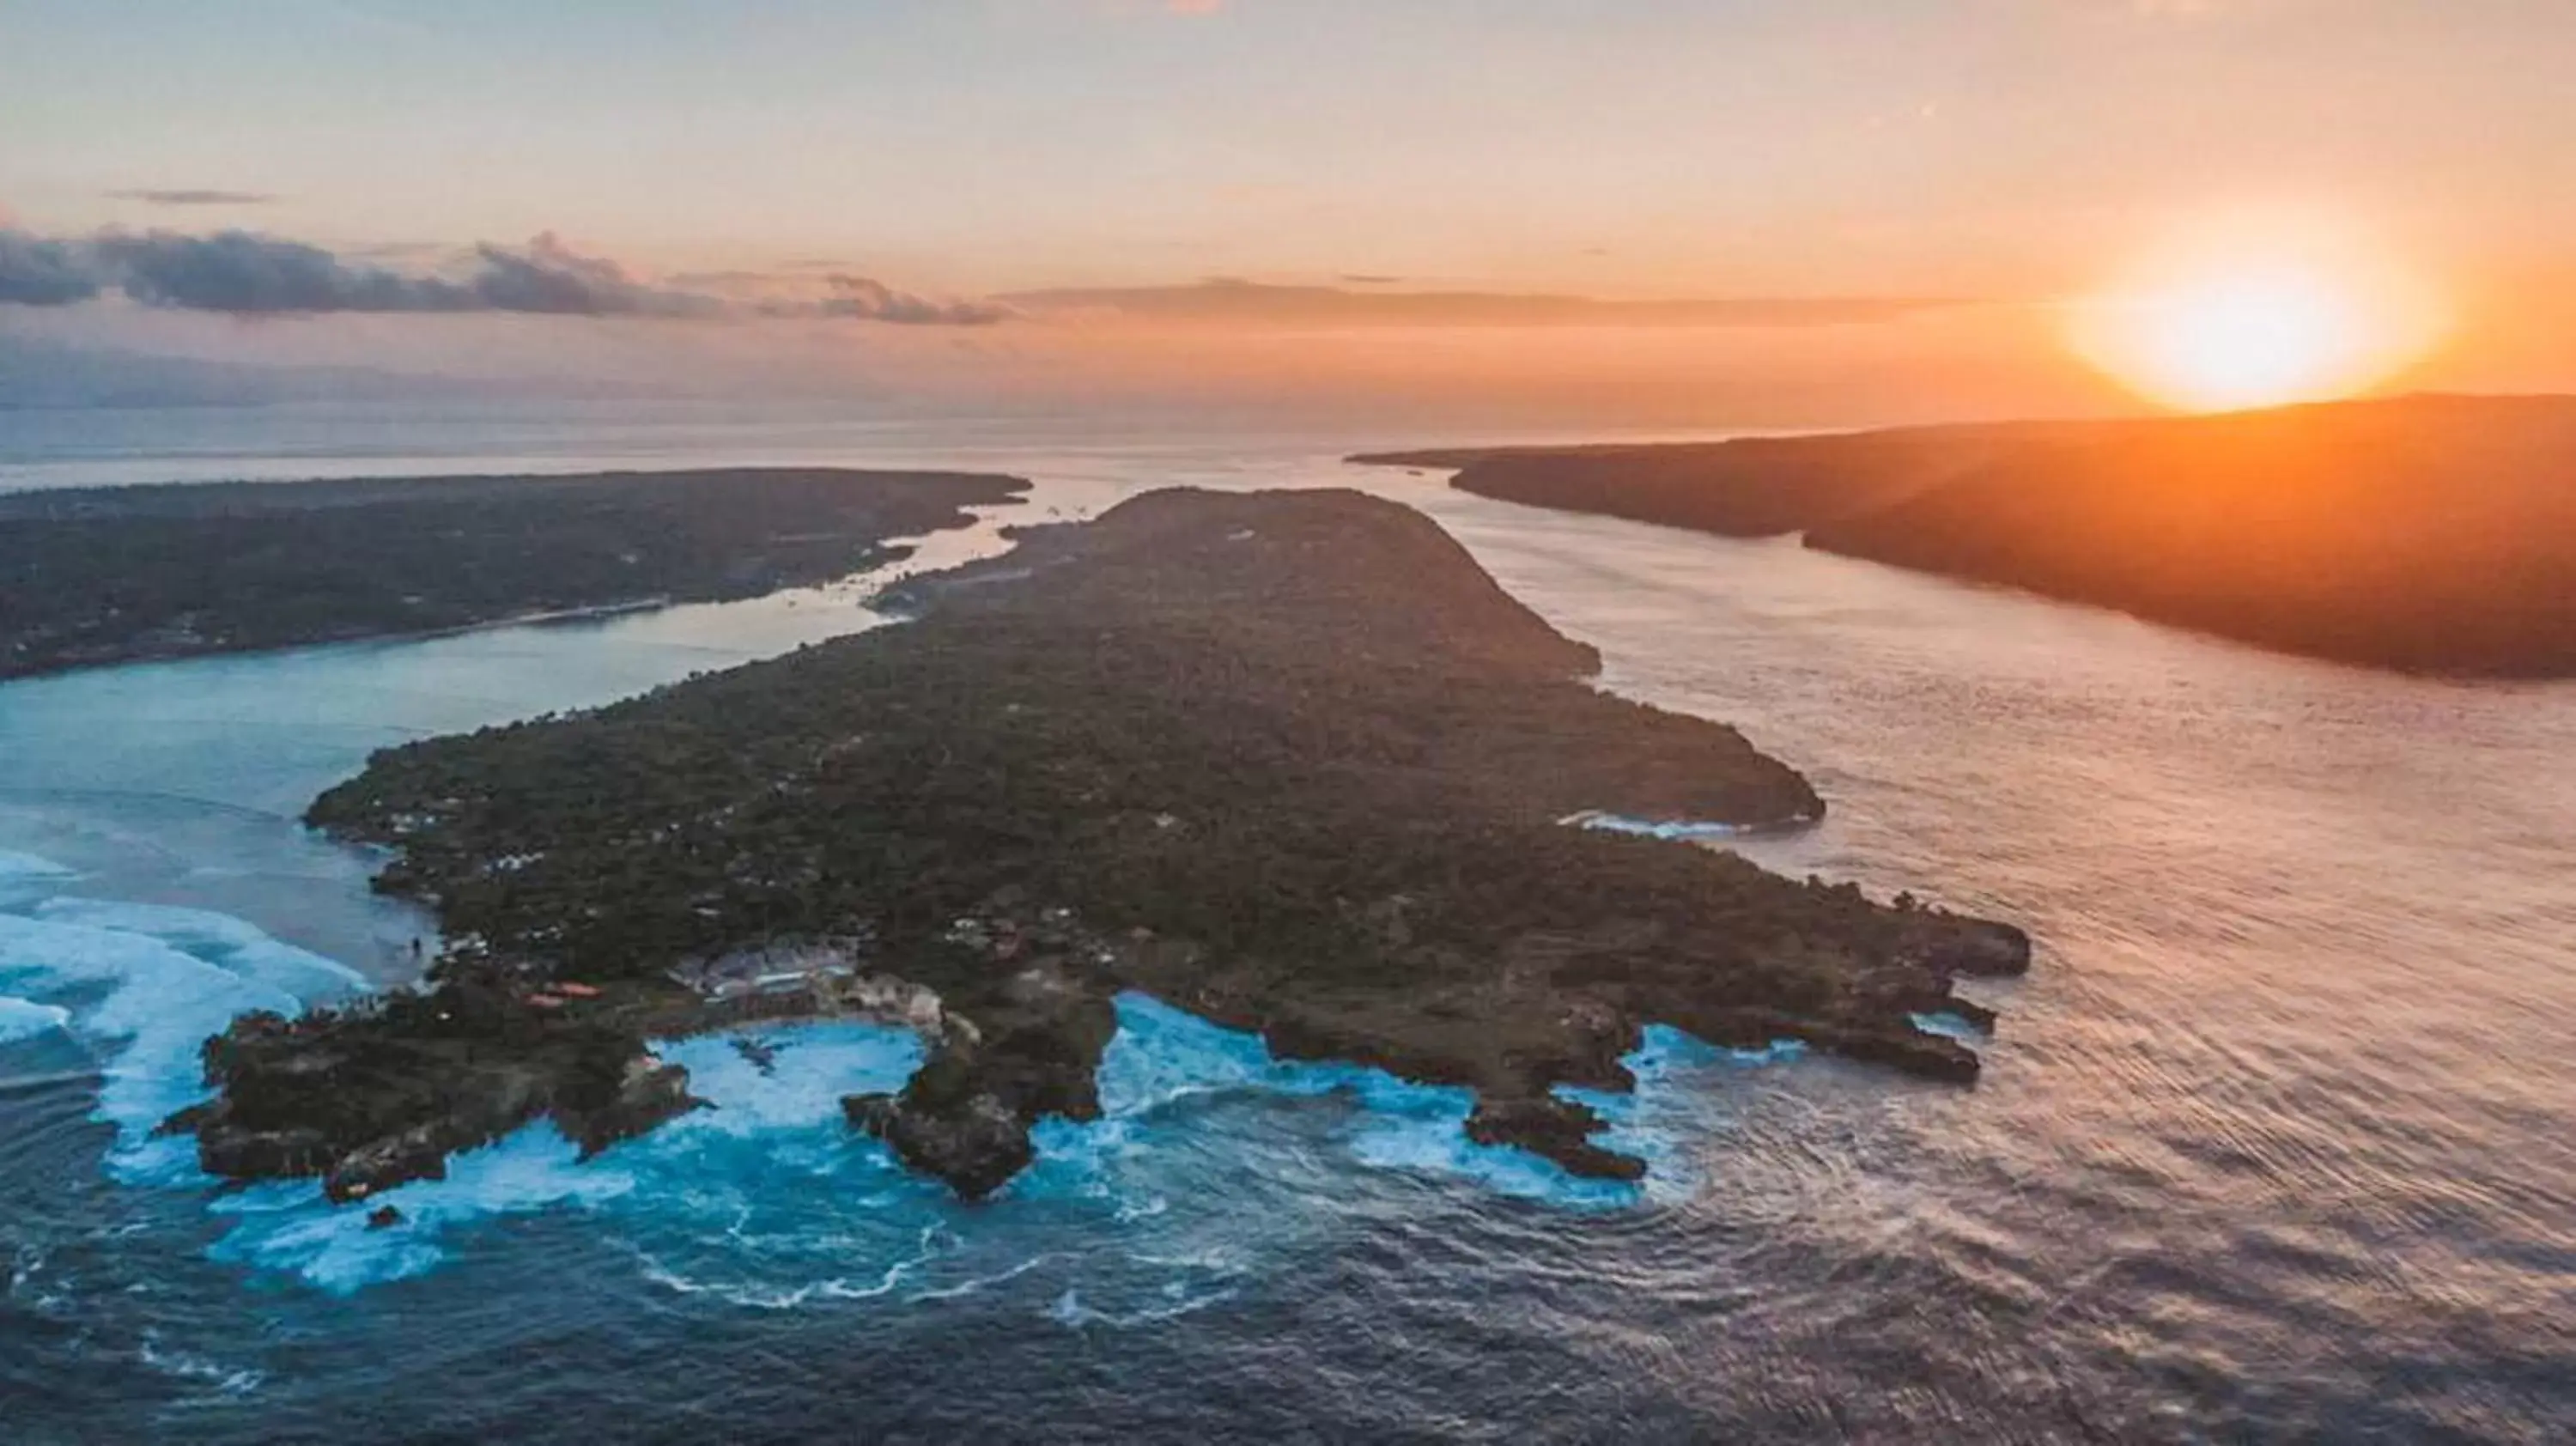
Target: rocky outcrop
x=649, y=1094
x=373, y=1098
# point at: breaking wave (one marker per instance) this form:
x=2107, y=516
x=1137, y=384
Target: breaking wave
x=25, y=1019
x=1678, y=830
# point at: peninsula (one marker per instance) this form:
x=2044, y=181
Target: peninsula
x=1291, y=761
x=2424, y=534
x=125, y=574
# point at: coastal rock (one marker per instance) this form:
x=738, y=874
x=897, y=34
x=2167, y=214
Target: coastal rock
x=415, y=1154
x=976, y=1144
x=1557, y=1129
x=651, y=1093
x=1977, y=948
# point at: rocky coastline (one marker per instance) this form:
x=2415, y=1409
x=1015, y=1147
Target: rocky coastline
x=1289, y=761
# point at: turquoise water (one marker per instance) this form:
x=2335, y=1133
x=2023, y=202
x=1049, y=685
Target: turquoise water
x=2274, y=1144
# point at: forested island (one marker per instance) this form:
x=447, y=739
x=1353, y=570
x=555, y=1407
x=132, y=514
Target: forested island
x=124, y=574
x=1290, y=761
x=2426, y=534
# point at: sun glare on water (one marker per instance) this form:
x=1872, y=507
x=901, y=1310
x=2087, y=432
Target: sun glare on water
x=2235, y=322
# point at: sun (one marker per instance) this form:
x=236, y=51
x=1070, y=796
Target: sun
x=2231, y=322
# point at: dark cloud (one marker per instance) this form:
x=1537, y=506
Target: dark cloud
x=1362, y=278
x=245, y=273
x=194, y=197
x=851, y=297
x=37, y=272
x=1232, y=301
x=549, y=278
x=863, y=298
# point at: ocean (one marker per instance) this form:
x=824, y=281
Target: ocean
x=2277, y=1142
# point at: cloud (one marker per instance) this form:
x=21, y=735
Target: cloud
x=866, y=299
x=194, y=197
x=1229, y=301
x=37, y=272
x=245, y=273
x=548, y=278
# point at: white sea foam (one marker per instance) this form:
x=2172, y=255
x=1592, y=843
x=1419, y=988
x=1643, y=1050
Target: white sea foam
x=181, y=1365
x=1950, y=1025
x=716, y=1165
x=1162, y=1055
x=17, y=866
x=1176, y=1301
x=1681, y=829
x=809, y=1068
x=147, y=1006
x=705, y=1188
x=220, y=939
x=287, y=1226
x=975, y=1284
x=25, y=1018
x=25, y=878
x=144, y=985
x=754, y=1295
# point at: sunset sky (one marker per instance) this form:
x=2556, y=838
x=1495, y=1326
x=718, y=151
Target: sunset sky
x=1811, y=212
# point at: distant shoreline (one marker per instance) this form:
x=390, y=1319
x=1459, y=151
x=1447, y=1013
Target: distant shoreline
x=99, y=577
x=2422, y=535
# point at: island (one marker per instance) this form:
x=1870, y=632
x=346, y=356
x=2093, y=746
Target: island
x=2421, y=534
x=104, y=575
x=1290, y=761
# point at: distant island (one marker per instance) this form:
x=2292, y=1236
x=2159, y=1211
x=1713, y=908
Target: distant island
x=1290, y=761
x=2425, y=534
x=124, y=574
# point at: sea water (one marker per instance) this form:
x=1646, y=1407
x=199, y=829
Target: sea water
x=2274, y=1143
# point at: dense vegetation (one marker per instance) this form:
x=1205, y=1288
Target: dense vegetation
x=2428, y=534
x=1290, y=760
x=111, y=575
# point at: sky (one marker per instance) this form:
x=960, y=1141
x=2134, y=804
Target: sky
x=1688, y=211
